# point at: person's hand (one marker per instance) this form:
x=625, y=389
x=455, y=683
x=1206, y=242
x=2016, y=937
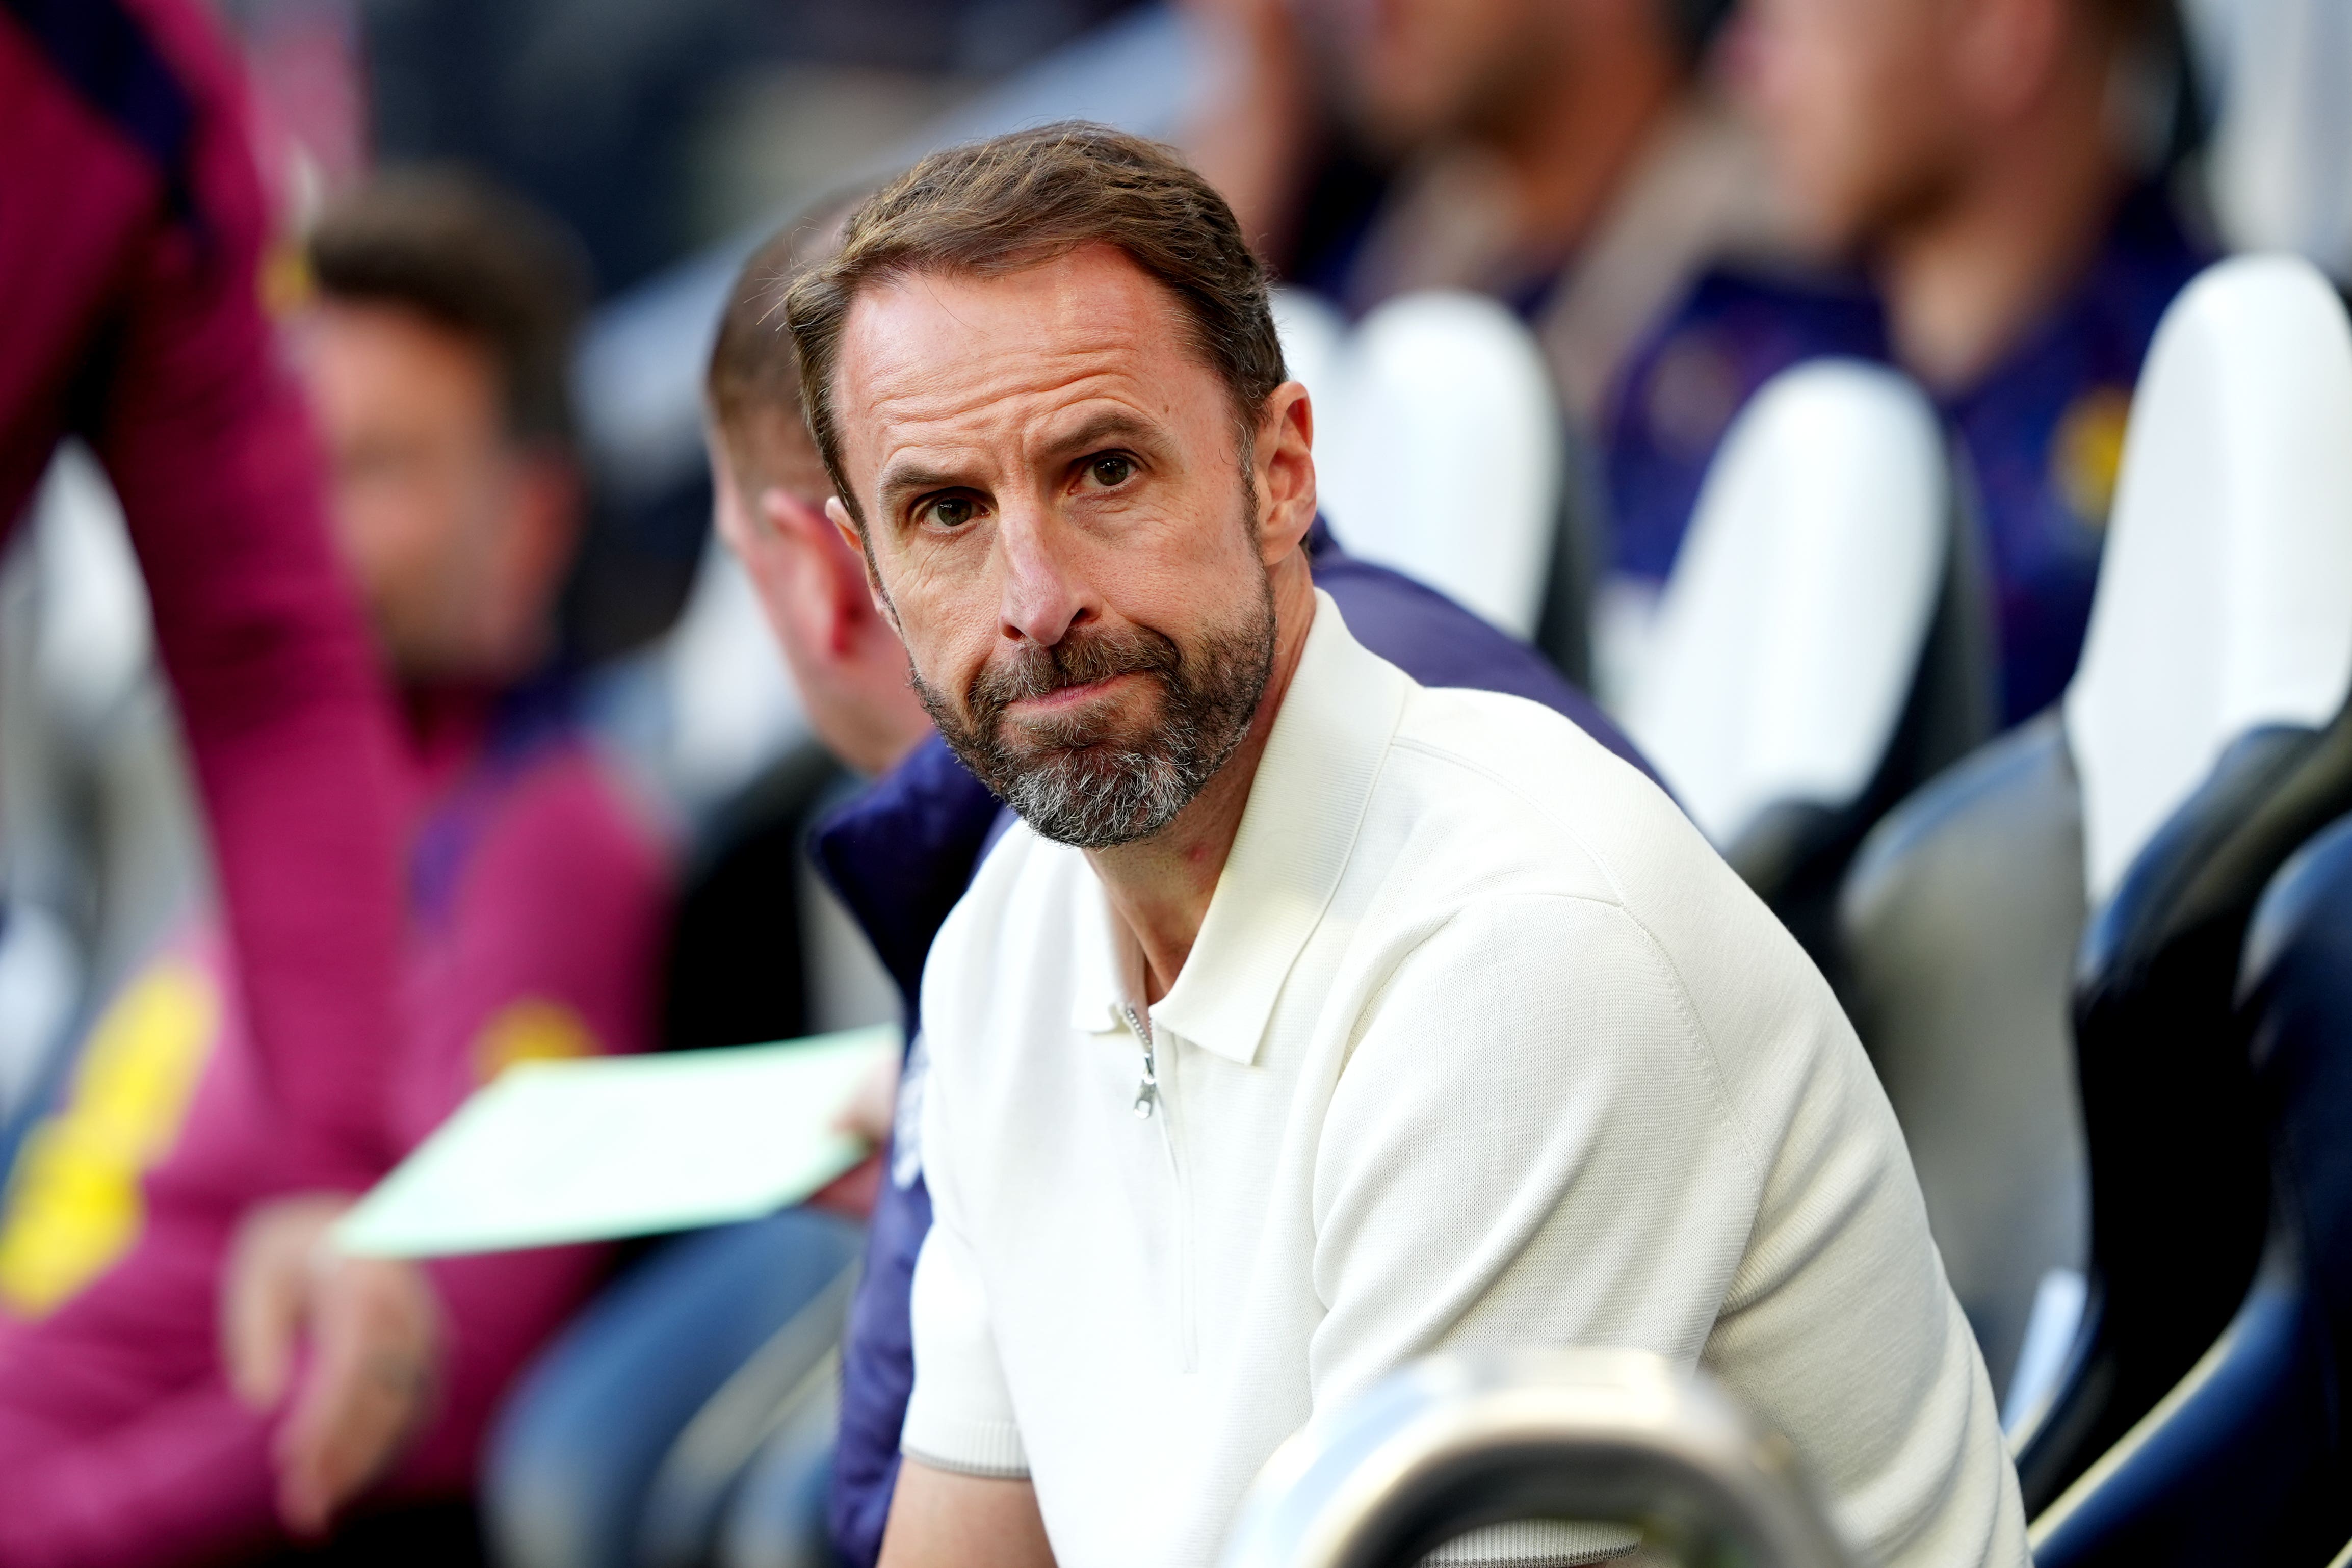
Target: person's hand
x=874, y=1105
x=373, y=1326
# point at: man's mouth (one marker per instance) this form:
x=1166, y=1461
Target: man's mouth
x=1063, y=699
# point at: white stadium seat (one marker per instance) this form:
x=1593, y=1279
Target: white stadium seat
x=1788, y=637
x=1437, y=444
x=2225, y=596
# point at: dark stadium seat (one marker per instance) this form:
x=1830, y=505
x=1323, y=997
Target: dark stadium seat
x=1820, y=650
x=621, y=1443
x=2246, y=1459
x=2175, y=1238
x=1961, y=919
x=738, y=969
x=776, y=1517
x=2202, y=740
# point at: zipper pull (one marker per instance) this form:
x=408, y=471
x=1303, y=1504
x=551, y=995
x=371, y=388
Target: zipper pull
x=1146, y=1090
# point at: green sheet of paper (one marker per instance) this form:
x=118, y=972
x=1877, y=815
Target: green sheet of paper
x=587, y=1150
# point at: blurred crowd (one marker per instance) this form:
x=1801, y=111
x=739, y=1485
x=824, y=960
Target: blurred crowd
x=375, y=713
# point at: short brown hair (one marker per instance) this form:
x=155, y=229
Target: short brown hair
x=477, y=260
x=754, y=373
x=1014, y=201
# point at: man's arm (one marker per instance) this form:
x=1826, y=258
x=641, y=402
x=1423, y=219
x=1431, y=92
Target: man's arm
x=375, y=1331
x=941, y=1519
x=1539, y=1139
x=205, y=441
x=963, y=1493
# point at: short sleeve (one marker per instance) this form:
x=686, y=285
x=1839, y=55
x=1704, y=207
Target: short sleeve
x=960, y=1416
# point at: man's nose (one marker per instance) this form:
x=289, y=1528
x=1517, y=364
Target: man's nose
x=1045, y=593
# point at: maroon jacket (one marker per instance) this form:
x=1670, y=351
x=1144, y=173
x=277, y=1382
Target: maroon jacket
x=131, y=224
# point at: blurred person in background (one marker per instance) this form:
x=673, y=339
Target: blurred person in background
x=187, y=1369
x=1562, y=155
x=1568, y=157
x=1991, y=165
x=902, y=854
x=128, y=265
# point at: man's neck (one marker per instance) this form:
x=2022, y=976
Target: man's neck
x=1968, y=276
x=1160, y=888
x=1573, y=137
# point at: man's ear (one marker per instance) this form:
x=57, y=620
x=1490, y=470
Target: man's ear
x=853, y=541
x=833, y=581
x=1283, y=468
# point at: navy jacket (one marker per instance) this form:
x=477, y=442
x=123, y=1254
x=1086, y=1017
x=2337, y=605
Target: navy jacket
x=900, y=856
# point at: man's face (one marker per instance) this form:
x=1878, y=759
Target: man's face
x=1061, y=520
x=425, y=480
x=1857, y=103
x=1412, y=69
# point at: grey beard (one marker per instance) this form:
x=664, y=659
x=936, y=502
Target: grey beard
x=1106, y=796
x=1094, y=791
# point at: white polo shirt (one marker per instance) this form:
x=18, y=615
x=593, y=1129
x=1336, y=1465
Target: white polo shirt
x=1480, y=1045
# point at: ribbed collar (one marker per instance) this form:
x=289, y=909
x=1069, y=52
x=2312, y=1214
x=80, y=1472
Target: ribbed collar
x=1304, y=807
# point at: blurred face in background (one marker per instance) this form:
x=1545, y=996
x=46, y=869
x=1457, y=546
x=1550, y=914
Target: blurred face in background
x=456, y=535
x=1859, y=103
x=1412, y=69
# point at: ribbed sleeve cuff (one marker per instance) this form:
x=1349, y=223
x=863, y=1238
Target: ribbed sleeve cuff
x=1535, y=1543
x=987, y=1448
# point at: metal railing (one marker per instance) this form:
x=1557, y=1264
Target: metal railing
x=1457, y=1442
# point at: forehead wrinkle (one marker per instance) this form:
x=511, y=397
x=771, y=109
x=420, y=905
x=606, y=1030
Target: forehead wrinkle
x=946, y=376
x=1033, y=418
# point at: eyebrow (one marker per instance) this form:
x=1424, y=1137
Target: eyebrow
x=1107, y=426
x=901, y=482
x=907, y=479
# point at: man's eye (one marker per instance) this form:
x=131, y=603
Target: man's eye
x=1111, y=471
x=951, y=511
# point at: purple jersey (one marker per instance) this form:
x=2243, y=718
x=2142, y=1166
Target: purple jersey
x=900, y=856
x=2041, y=433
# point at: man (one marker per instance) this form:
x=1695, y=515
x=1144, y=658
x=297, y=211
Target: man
x=902, y=853
x=187, y=1371
x=1311, y=1018
x=1564, y=157
x=128, y=270
x=1983, y=159
x=1567, y=157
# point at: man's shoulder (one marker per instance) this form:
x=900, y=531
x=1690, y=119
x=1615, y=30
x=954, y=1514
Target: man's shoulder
x=1439, y=643
x=1510, y=788
x=1487, y=798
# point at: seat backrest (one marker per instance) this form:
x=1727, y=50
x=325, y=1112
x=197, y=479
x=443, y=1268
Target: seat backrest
x=2219, y=642
x=1959, y=925
x=2225, y=595
x=2244, y=1458
x=1437, y=444
x=1789, y=636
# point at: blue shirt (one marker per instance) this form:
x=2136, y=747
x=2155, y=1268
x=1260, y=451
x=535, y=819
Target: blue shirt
x=900, y=856
x=2040, y=434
